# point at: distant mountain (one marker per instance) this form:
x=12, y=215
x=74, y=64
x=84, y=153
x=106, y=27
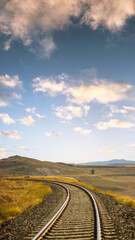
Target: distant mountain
x=23, y=166
x=113, y=161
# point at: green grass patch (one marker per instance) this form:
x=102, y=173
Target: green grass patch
x=17, y=196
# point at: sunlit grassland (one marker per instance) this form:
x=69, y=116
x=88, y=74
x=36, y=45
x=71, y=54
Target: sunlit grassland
x=17, y=196
x=122, y=199
x=119, y=197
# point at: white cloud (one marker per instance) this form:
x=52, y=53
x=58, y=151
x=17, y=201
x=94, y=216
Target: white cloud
x=9, y=87
x=3, y=103
x=9, y=81
x=42, y=117
x=62, y=76
x=6, y=119
x=131, y=145
x=48, y=85
x=69, y=112
x=109, y=149
x=52, y=134
x=3, y=152
x=47, y=46
x=82, y=130
x=114, y=123
x=112, y=14
x=28, y=121
x=7, y=44
x=32, y=110
x=86, y=109
x=114, y=109
x=124, y=110
x=101, y=91
x=16, y=96
x=127, y=111
x=38, y=21
x=32, y=20
x=11, y=134
x=23, y=148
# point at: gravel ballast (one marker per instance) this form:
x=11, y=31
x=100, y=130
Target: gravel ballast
x=20, y=227
x=122, y=216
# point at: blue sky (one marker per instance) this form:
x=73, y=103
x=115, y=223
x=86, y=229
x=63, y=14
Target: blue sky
x=67, y=89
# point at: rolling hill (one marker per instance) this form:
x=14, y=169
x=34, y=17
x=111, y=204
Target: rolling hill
x=23, y=166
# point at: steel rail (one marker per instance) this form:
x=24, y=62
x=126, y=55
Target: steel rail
x=55, y=217
x=98, y=225
x=97, y=215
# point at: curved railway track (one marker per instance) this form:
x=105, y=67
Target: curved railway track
x=82, y=216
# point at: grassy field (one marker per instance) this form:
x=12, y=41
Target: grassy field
x=118, y=180
x=17, y=196
x=115, y=178
x=130, y=201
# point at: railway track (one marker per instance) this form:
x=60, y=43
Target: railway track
x=82, y=216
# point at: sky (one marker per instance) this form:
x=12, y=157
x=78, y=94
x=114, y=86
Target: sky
x=67, y=79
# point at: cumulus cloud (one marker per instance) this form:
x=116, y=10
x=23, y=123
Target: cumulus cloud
x=109, y=149
x=42, y=117
x=28, y=121
x=9, y=89
x=3, y=103
x=47, y=46
x=52, y=134
x=11, y=134
x=127, y=111
x=82, y=130
x=32, y=20
x=48, y=85
x=112, y=14
x=31, y=110
x=7, y=44
x=9, y=81
x=69, y=112
x=99, y=90
x=6, y=118
x=114, y=123
x=3, y=152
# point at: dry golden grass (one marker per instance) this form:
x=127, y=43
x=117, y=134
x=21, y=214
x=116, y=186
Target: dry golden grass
x=120, y=198
x=17, y=196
